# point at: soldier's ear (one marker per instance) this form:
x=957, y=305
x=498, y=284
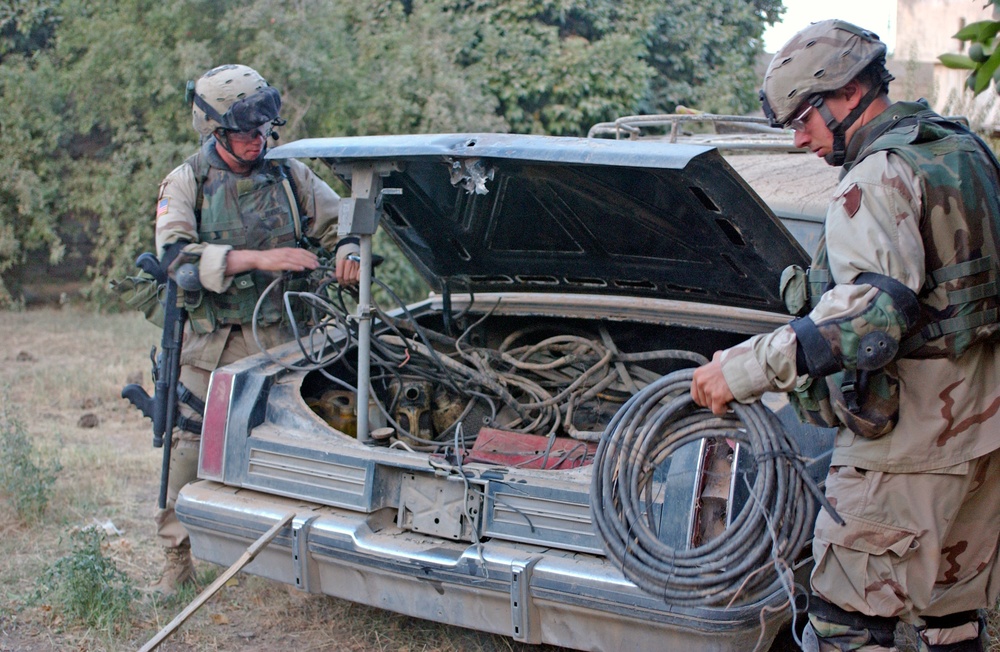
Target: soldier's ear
x=852, y=92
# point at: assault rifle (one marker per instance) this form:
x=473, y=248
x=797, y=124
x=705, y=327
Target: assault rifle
x=161, y=407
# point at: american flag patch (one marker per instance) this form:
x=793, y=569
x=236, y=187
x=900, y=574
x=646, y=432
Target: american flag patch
x=161, y=206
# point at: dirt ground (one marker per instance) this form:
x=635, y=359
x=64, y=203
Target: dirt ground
x=61, y=374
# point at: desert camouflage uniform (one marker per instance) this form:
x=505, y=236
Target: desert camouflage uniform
x=238, y=211
x=922, y=502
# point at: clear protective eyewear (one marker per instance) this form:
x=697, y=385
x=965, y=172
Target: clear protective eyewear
x=798, y=123
x=249, y=136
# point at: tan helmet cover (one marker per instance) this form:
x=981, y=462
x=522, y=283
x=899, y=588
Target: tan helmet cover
x=823, y=57
x=221, y=87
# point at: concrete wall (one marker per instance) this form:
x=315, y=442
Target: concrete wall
x=924, y=30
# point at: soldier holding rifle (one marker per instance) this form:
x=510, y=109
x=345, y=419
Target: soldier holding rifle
x=240, y=220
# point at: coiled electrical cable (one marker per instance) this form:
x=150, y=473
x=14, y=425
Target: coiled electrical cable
x=751, y=558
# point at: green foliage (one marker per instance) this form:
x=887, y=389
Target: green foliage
x=88, y=586
x=24, y=480
x=983, y=59
x=397, y=273
x=959, y=61
x=27, y=26
x=556, y=67
x=29, y=213
x=93, y=90
x=703, y=52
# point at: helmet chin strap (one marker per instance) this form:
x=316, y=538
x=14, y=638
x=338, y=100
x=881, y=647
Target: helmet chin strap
x=838, y=155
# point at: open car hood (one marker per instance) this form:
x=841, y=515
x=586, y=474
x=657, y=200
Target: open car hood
x=506, y=212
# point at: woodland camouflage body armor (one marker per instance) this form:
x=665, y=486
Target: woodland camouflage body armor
x=255, y=212
x=959, y=227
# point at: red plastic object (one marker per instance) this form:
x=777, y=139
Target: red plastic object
x=529, y=451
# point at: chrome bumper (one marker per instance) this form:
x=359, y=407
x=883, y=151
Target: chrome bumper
x=530, y=593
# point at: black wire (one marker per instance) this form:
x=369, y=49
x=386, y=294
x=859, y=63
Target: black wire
x=743, y=564
x=420, y=332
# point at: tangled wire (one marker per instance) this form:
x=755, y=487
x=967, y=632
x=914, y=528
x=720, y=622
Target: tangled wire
x=753, y=557
x=522, y=385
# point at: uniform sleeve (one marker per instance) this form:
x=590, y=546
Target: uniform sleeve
x=319, y=201
x=872, y=225
x=175, y=221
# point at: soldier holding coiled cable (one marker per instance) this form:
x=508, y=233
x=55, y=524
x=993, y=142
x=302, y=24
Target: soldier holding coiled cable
x=896, y=346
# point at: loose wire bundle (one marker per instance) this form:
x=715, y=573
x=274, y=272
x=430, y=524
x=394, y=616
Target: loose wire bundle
x=753, y=557
x=532, y=382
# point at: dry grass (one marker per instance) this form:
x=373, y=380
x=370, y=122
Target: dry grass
x=57, y=366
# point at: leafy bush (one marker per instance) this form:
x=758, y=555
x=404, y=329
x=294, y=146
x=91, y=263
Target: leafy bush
x=88, y=586
x=25, y=481
x=94, y=113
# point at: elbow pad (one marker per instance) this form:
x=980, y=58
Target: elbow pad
x=869, y=340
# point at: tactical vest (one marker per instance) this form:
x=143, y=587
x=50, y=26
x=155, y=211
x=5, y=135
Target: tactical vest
x=960, y=229
x=958, y=301
x=959, y=226
x=255, y=212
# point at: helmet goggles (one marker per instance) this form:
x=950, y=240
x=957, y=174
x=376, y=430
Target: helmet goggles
x=248, y=113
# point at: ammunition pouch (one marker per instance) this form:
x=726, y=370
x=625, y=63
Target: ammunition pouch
x=794, y=290
x=142, y=293
x=236, y=305
x=811, y=402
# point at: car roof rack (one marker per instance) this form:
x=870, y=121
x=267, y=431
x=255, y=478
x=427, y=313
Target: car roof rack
x=729, y=132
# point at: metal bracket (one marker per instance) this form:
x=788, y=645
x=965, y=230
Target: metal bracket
x=306, y=576
x=520, y=601
x=440, y=509
x=359, y=214
x=356, y=217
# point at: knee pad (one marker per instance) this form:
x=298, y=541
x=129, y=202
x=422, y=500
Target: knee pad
x=846, y=630
x=959, y=632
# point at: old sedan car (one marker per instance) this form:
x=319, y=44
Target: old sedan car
x=439, y=458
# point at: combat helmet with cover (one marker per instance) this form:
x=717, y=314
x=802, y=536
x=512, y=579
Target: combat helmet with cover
x=233, y=98
x=819, y=59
